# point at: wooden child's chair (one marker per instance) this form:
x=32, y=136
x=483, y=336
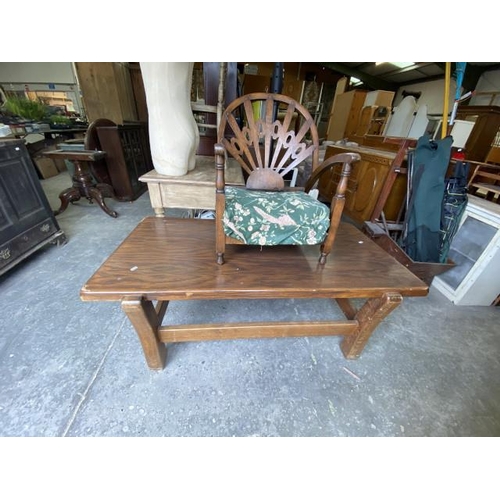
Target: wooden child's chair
x=270, y=135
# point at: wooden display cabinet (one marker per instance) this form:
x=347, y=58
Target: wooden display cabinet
x=366, y=184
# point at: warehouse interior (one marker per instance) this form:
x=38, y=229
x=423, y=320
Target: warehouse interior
x=77, y=368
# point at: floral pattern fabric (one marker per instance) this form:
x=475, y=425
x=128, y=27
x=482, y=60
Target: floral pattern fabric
x=274, y=218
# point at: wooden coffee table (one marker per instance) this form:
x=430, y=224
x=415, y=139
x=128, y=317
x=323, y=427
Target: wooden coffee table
x=166, y=259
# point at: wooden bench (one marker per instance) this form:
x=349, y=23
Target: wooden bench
x=167, y=259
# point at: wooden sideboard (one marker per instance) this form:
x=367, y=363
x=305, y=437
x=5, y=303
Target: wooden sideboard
x=26, y=219
x=366, y=183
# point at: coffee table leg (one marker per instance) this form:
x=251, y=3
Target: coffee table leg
x=144, y=318
x=369, y=317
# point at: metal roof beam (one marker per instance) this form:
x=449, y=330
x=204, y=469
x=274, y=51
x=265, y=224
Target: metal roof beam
x=369, y=80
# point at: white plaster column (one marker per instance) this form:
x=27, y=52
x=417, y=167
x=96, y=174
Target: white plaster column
x=173, y=132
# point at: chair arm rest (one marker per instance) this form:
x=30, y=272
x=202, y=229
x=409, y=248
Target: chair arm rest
x=345, y=158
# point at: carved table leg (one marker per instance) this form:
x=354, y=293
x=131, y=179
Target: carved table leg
x=97, y=195
x=145, y=320
x=68, y=195
x=369, y=317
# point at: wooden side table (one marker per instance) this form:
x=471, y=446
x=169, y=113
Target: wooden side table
x=83, y=184
x=195, y=190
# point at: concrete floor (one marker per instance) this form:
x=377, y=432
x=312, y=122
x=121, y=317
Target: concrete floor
x=73, y=368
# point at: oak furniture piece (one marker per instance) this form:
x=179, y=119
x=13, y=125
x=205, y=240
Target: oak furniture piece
x=377, y=183
x=256, y=130
x=167, y=259
x=493, y=155
x=374, y=113
x=26, y=219
x=381, y=98
x=83, y=185
x=195, y=190
x=107, y=91
x=344, y=117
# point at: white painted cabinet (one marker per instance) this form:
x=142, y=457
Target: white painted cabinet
x=475, y=279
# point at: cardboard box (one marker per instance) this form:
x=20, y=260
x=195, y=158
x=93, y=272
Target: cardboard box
x=60, y=165
x=46, y=167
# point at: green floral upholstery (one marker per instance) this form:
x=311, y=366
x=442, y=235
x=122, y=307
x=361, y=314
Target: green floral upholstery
x=274, y=218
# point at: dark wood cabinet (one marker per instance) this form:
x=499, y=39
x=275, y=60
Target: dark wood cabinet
x=27, y=222
x=128, y=156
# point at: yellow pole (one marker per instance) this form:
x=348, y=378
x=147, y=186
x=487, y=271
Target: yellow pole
x=447, y=77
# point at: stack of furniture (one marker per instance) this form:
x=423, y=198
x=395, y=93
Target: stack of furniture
x=356, y=113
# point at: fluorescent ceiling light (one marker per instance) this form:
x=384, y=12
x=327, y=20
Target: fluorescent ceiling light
x=402, y=64
x=355, y=81
x=397, y=64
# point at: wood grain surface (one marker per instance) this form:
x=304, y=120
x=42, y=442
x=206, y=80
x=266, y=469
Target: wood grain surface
x=173, y=259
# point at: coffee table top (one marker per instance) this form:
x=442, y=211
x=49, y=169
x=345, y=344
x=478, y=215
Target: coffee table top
x=174, y=259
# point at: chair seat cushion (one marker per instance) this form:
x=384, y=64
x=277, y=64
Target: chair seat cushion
x=274, y=218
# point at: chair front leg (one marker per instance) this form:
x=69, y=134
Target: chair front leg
x=220, y=237
x=220, y=203
x=336, y=209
